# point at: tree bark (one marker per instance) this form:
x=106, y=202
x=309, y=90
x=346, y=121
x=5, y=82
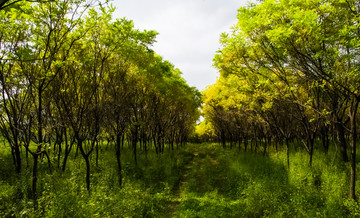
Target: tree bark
x=17, y=159
x=353, y=112
x=97, y=153
x=223, y=140
x=118, y=158
x=325, y=139
x=287, y=152
x=311, y=146
x=134, y=143
x=34, y=179
x=342, y=141
x=87, y=161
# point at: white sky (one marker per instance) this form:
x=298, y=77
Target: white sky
x=189, y=31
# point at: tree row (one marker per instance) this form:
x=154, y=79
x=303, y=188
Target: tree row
x=72, y=77
x=289, y=71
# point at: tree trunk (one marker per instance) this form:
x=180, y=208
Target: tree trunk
x=245, y=143
x=65, y=160
x=353, y=112
x=67, y=152
x=117, y=147
x=17, y=159
x=87, y=161
x=97, y=153
x=40, y=133
x=162, y=144
x=68, y=149
x=325, y=139
x=311, y=146
x=223, y=140
x=287, y=152
x=342, y=141
x=59, y=155
x=172, y=143
x=155, y=145
x=134, y=143
x=34, y=180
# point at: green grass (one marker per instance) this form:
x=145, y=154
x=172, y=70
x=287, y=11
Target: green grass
x=242, y=184
x=201, y=180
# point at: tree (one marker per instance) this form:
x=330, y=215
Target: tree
x=309, y=45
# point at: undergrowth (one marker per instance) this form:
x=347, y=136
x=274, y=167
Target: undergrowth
x=201, y=180
x=233, y=183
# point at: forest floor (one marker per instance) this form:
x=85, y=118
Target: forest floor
x=180, y=188
x=233, y=183
x=199, y=180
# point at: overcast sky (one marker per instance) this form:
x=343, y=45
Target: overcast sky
x=189, y=31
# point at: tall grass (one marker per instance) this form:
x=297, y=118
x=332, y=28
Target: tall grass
x=147, y=187
x=202, y=180
x=246, y=184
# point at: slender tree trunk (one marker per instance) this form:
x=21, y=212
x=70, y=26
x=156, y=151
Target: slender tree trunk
x=162, y=145
x=122, y=141
x=342, y=141
x=67, y=150
x=134, y=143
x=87, y=161
x=159, y=144
x=65, y=160
x=240, y=141
x=353, y=112
x=325, y=139
x=34, y=179
x=246, y=143
x=27, y=157
x=223, y=140
x=40, y=134
x=17, y=159
x=59, y=155
x=118, y=142
x=311, y=146
x=97, y=153
x=287, y=152
x=155, y=145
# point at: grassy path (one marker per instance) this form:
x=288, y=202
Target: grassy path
x=199, y=156
x=183, y=181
